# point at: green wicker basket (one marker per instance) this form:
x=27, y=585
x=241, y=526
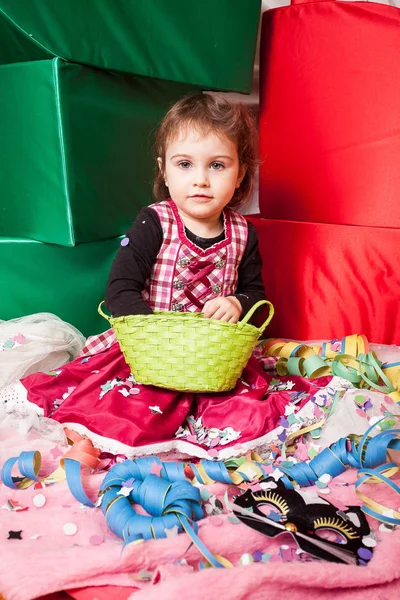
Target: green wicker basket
x=187, y=351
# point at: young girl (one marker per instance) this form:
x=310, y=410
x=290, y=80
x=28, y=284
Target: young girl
x=190, y=251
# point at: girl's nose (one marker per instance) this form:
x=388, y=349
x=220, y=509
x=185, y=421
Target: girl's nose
x=201, y=177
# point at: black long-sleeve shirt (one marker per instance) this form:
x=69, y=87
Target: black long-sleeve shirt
x=133, y=264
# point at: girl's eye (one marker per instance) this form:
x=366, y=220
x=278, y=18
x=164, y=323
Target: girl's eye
x=217, y=166
x=184, y=164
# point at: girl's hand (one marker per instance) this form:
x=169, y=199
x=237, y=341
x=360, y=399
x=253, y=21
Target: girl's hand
x=223, y=309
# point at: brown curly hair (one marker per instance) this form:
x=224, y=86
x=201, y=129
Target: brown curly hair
x=208, y=113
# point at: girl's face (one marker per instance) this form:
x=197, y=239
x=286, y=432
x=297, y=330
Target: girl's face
x=201, y=173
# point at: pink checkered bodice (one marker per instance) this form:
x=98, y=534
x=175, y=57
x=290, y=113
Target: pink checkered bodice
x=184, y=276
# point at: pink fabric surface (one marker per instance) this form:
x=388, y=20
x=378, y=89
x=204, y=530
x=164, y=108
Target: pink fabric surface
x=33, y=567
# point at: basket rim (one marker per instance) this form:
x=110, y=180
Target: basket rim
x=182, y=316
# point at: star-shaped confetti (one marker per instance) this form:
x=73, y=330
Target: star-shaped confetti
x=106, y=387
x=290, y=385
x=124, y=392
x=268, y=485
x=156, y=469
x=56, y=452
x=289, y=409
x=15, y=535
x=277, y=474
x=128, y=483
x=172, y=532
x=124, y=491
x=283, y=422
x=155, y=410
x=19, y=338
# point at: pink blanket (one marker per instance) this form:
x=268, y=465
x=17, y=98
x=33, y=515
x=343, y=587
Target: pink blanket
x=46, y=559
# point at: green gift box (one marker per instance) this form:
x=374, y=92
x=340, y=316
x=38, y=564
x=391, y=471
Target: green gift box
x=75, y=149
x=201, y=42
x=69, y=282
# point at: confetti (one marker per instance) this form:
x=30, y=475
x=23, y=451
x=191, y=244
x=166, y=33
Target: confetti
x=124, y=491
x=39, y=500
x=277, y=474
x=155, y=409
x=124, y=392
x=213, y=453
x=233, y=520
x=125, y=241
x=56, y=452
x=266, y=557
x=15, y=535
x=283, y=422
x=369, y=541
x=156, y=469
x=325, y=490
x=246, y=559
x=70, y=529
x=128, y=483
x=216, y=521
x=19, y=338
x=172, y=532
x=144, y=575
x=205, y=494
x=292, y=419
x=364, y=553
x=96, y=540
x=268, y=485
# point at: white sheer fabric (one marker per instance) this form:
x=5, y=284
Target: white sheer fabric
x=39, y=342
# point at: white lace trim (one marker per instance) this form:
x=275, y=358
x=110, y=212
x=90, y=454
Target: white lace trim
x=16, y=396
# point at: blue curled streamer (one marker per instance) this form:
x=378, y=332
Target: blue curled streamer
x=26, y=461
x=170, y=500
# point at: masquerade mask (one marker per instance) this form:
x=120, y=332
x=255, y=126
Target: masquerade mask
x=319, y=528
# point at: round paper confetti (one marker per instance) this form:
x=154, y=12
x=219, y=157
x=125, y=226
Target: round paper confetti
x=39, y=500
x=258, y=556
x=369, y=541
x=246, y=559
x=325, y=478
x=364, y=553
x=125, y=241
x=70, y=529
x=95, y=540
x=216, y=521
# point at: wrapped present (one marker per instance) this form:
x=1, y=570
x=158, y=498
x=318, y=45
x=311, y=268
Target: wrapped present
x=75, y=149
x=209, y=44
x=69, y=282
x=329, y=113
